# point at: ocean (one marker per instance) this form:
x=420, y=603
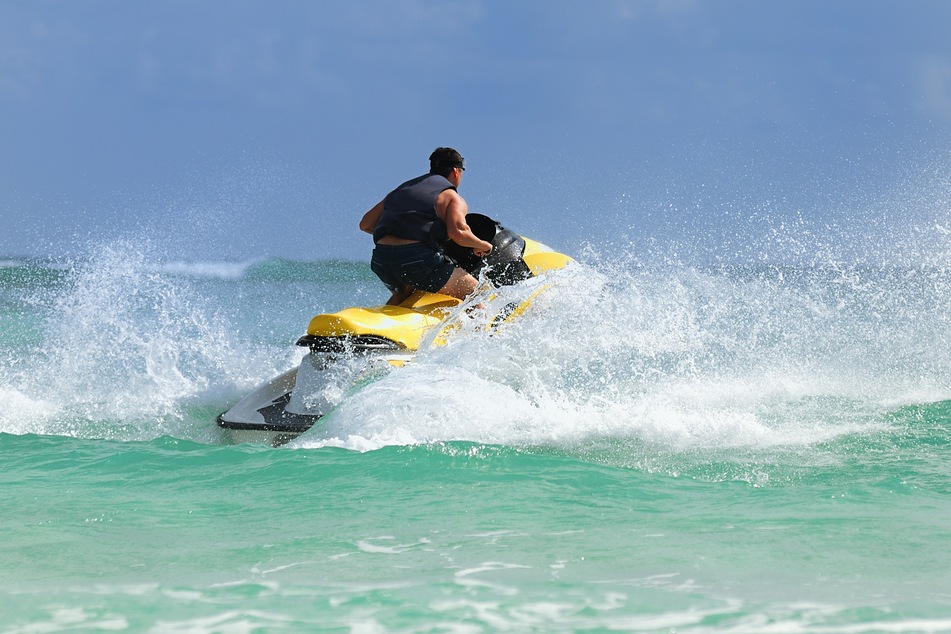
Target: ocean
x=655, y=446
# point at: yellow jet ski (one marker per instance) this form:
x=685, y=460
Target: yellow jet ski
x=354, y=345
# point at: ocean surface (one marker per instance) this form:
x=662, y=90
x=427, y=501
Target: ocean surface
x=653, y=447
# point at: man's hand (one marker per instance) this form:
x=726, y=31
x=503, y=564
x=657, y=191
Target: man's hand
x=481, y=253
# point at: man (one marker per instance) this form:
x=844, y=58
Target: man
x=409, y=225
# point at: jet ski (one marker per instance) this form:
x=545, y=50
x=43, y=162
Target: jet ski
x=356, y=345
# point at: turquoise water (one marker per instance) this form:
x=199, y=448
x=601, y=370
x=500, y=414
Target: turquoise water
x=653, y=448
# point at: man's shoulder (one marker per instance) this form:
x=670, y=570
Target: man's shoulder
x=437, y=181
x=449, y=199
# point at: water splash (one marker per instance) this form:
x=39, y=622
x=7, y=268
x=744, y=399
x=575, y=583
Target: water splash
x=672, y=357
x=127, y=350
x=665, y=349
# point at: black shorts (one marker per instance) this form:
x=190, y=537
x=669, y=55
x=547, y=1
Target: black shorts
x=415, y=264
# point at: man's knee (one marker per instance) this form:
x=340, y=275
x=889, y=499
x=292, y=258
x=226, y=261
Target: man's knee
x=460, y=285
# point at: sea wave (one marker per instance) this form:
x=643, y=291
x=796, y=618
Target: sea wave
x=219, y=270
x=264, y=269
x=283, y=270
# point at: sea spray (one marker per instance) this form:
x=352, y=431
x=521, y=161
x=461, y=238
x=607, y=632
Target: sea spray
x=125, y=342
x=673, y=359
x=649, y=356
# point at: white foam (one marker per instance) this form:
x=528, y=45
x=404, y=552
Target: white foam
x=22, y=414
x=124, y=344
x=671, y=356
x=665, y=354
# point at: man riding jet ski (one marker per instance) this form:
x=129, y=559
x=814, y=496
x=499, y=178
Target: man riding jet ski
x=429, y=253
x=412, y=222
x=355, y=344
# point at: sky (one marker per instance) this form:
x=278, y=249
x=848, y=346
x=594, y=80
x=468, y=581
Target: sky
x=227, y=130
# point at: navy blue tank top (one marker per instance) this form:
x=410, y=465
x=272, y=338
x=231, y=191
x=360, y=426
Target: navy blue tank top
x=409, y=211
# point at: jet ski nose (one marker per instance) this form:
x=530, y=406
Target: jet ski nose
x=506, y=266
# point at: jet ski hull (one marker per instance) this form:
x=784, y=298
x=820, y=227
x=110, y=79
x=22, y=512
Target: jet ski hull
x=288, y=405
x=261, y=416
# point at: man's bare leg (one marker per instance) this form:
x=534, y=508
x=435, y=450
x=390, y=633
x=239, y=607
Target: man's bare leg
x=460, y=285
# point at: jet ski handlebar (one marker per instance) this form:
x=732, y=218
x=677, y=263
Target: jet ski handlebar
x=505, y=265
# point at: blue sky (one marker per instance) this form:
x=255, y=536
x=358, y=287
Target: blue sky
x=229, y=129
